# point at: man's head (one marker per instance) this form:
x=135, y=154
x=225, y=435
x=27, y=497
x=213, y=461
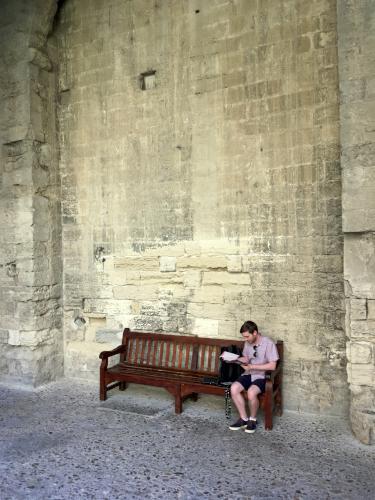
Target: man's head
x=249, y=331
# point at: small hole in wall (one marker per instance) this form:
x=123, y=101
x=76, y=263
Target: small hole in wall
x=197, y=11
x=79, y=321
x=147, y=80
x=11, y=269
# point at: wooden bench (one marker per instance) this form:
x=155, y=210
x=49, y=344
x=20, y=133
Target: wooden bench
x=179, y=363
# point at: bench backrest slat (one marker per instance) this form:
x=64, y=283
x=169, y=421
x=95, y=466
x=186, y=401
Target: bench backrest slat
x=180, y=351
x=144, y=349
x=187, y=356
x=159, y=354
x=200, y=366
x=208, y=358
x=168, y=355
x=137, y=342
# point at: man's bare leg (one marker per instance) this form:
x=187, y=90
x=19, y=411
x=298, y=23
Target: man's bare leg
x=238, y=399
x=252, y=395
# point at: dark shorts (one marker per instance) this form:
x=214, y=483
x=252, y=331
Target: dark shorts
x=245, y=381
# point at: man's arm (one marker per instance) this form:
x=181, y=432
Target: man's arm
x=265, y=367
x=243, y=359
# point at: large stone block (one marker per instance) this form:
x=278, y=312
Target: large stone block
x=362, y=329
x=360, y=352
x=137, y=263
x=4, y=336
x=107, y=306
x=108, y=336
x=363, y=425
x=359, y=264
x=131, y=292
x=371, y=309
x=224, y=278
x=203, y=262
x=204, y=327
x=361, y=374
x=193, y=279
x=358, y=309
x=209, y=294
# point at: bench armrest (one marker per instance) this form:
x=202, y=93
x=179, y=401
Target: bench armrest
x=270, y=375
x=108, y=354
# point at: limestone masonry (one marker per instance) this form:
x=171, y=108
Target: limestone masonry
x=182, y=166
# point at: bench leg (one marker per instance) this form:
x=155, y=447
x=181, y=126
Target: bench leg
x=178, y=403
x=268, y=413
x=103, y=392
x=279, y=403
x=122, y=386
x=103, y=386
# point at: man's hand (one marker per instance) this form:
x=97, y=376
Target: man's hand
x=265, y=367
x=247, y=367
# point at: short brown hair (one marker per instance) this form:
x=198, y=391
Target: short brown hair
x=249, y=326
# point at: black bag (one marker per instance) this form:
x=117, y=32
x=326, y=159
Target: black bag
x=229, y=372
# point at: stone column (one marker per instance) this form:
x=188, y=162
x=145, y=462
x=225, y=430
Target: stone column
x=30, y=235
x=356, y=27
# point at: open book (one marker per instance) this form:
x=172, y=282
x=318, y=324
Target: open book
x=229, y=357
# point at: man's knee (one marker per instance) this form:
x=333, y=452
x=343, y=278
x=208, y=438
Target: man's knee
x=236, y=388
x=253, y=393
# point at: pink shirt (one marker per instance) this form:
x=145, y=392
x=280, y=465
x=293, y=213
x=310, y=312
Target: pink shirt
x=266, y=352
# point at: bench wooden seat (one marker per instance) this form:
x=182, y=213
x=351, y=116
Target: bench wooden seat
x=179, y=363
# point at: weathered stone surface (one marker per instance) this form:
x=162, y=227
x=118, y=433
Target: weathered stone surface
x=109, y=336
x=137, y=263
x=363, y=425
x=359, y=262
x=29, y=206
x=217, y=199
x=4, y=336
x=358, y=309
x=107, y=306
x=204, y=327
x=203, y=262
x=234, y=263
x=222, y=278
x=360, y=352
x=209, y=294
x=361, y=374
x=363, y=329
x=371, y=309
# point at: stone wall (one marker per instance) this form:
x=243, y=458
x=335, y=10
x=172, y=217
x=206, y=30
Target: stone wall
x=356, y=25
x=201, y=179
x=30, y=229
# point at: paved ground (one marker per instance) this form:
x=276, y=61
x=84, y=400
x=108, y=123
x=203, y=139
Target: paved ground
x=61, y=442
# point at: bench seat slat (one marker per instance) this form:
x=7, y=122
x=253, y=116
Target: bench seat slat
x=121, y=367
x=148, y=372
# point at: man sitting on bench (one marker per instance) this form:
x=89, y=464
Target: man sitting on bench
x=258, y=356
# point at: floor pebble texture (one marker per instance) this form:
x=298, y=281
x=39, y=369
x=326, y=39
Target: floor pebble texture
x=61, y=442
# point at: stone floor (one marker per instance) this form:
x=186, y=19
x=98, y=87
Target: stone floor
x=61, y=442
